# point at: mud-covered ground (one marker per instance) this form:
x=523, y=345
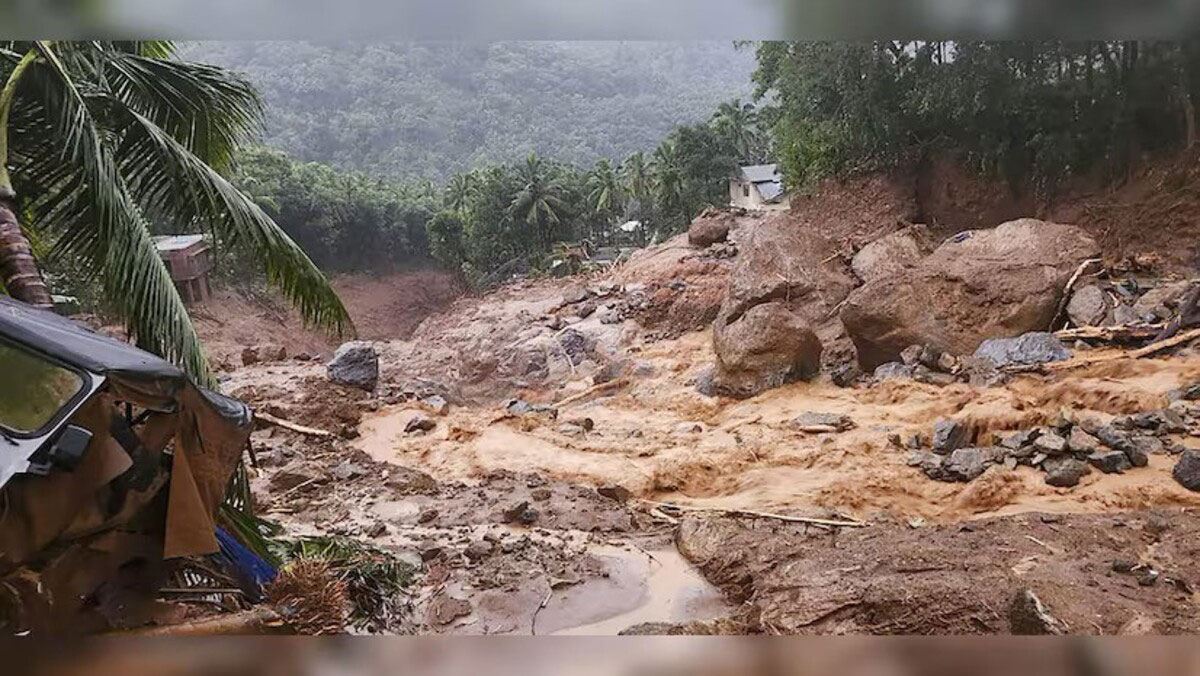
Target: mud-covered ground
x=612, y=510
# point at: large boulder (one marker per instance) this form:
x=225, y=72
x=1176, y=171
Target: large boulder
x=982, y=284
x=710, y=227
x=767, y=346
x=355, y=364
x=892, y=253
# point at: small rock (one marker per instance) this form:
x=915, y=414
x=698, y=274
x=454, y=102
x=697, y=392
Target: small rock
x=431, y=552
x=1028, y=617
x=249, y=356
x=570, y=430
x=443, y=609
x=911, y=355
x=1124, y=314
x=1137, y=455
x=347, y=470
x=689, y=428
x=420, y=423
x=949, y=435
x=586, y=309
x=1037, y=459
x=1019, y=439
x=1088, y=306
x=1050, y=443
x=913, y=442
x=1110, y=462
x=437, y=404
x=517, y=407
x=929, y=463
x=295, y=474
x=615, y=492
x=355, y=364
x=1030, y=348
x=1187, y=470
x=893, y=370
x=843, y=375
x=540, y=494
x=1114, y=438
x=378, y=529
x=1189, y=393
x=1145, y=575
x=966, y=464
x=611, y=371
x=478, y=550
x=1123, y=566
x=1079, y=441
x=1173, y=421
x=520, y=513
x=1065, y=472
x=427, y=515
x=839, y=422
x=574, y=294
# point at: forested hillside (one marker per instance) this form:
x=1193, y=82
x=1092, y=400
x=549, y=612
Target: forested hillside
x=430, y=110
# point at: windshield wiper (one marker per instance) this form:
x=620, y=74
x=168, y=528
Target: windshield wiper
x=8, y=437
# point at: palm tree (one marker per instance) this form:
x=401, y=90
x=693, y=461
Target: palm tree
x=667, y=178
x=459, y=192
x=737, y=123
x=604, y=190
x=636, y=176
x=98, y=139
x=539, y=202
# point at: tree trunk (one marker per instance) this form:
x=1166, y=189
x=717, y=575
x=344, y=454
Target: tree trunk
x=18, y=269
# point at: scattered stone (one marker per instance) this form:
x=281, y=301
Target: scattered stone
x=615, y=492
x=611, y=371
x=1110, y=462
x=1065, y=472
x=1187, y=470
x=419, y=423
x=911, y=355
x=1037, y=459
x=570, y=430
x=518, y=407
x=540, y=494
x=1050, y=443
x=249, y=356
x=949, y=435
x=689, y=428
x=1173, y=421
x=1019, y=439
x=586, y=309
x=431, y=552
x=427, y=515
x=838, y=422
x=843, y=375
x=295, y=474
x=347, y=470
x=1189, y=393
x=444, y=609
x=478, y=550
x=1114, y=438
x=705, y=383
x=966, y=464
x=913, y=442
x=1031, y=348
x=437, y=404
x=1028, y=617
x=1124, y=314
x=1088, y=306
x=710, y=227
x=574, y=294
x=929, y=463
x=355, y=364
x=378, y=529
x=521, y=513
x=1137, y=453
x=893, y=370
x=1079, y=441
x=1123, y=566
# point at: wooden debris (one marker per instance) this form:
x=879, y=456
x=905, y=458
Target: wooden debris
x=595, y=389
x=825, y=523
x=1062, y=304
x=288, y=425
x=1124, y=333
x=261, y=620
x=816, y=429
x=1164, y=344
x=1152, y=348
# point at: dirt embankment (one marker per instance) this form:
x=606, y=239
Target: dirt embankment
x=383, y=307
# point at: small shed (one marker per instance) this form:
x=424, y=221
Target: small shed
x=758, y=186
x=189, y=259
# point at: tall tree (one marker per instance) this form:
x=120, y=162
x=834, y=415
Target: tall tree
x=460, y=191
x=737, y=124
x=539, y=202
x=100, y=139
x=605, y=196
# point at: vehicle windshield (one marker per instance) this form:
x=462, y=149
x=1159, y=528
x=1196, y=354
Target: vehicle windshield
x=32, y=390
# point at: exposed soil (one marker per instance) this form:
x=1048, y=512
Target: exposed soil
x=608, y=512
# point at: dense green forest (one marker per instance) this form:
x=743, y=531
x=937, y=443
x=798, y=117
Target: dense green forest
x=431, y=110
x=1030, y=112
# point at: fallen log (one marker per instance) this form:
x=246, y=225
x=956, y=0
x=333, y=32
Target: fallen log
x=595, y=389
x=1124, y=333
x=287, y=425
x=826, y=523
x=1152, y=348
x=261, y=620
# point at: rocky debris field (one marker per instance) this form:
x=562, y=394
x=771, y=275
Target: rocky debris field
x=766, y=426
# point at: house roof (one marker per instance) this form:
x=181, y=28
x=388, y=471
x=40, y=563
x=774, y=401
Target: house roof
x=176, y=242
x=760, y=173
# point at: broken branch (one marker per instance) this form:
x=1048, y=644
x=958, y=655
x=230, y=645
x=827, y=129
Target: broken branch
x=828, y=523
x=287, y=425
x=1062, y=304
x=595, y=389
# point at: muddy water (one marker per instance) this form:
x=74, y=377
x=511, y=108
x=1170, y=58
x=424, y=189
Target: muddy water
x=748, y=457
x=665, y=589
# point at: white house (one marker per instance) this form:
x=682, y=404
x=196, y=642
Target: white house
x=759, y=186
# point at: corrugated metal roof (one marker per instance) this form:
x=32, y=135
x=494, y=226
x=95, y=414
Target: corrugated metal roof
x=760, y=173
x=769, y=189
x=176, y=242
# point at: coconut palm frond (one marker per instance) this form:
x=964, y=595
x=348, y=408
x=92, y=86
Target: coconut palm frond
x=207, y=110
x=175, y=184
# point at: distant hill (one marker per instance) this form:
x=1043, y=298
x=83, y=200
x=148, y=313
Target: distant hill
x=433, y=109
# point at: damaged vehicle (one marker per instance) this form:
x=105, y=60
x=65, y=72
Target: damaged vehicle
x=112, y=461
